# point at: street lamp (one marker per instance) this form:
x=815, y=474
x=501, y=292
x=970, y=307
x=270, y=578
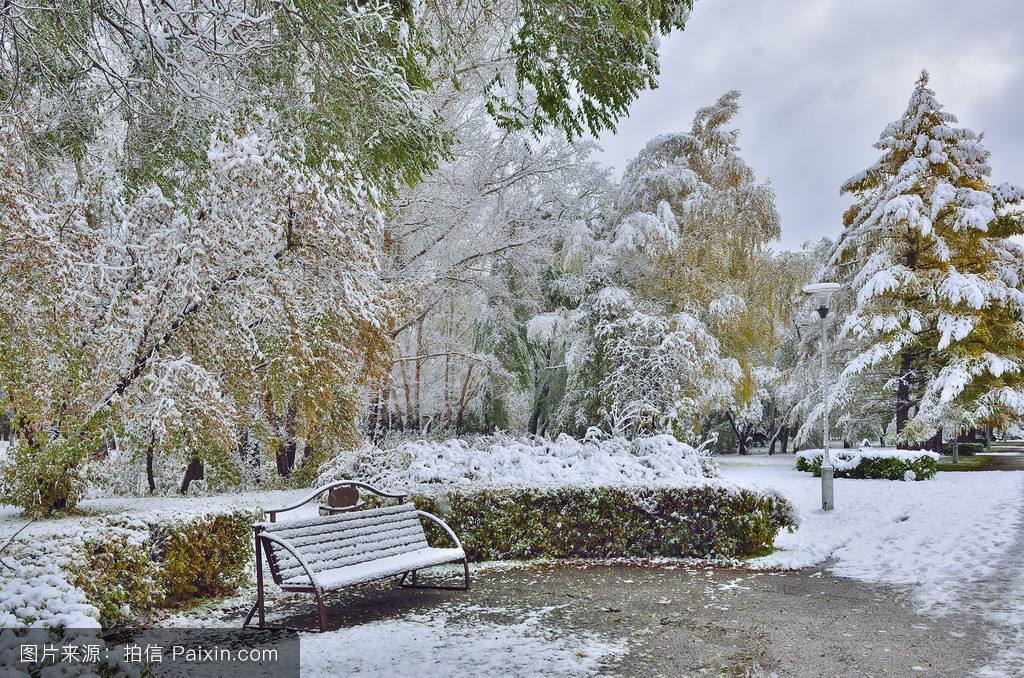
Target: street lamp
x=822, y=292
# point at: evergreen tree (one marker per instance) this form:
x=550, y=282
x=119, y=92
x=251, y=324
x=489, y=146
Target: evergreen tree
x=938, y=282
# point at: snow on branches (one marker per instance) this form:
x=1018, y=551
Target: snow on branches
x=166, y=321
x=673, y=298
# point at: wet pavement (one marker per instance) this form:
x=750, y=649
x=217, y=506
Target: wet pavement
x=698, y=621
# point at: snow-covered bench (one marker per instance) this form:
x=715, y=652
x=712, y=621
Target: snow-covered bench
x=326, y=553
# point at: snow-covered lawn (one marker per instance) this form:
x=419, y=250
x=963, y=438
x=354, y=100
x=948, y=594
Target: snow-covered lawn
x=147, y=509
x=938, y=536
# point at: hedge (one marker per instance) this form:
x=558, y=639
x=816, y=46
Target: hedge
x=204, y=556
x=869, y=464
x=706, y=521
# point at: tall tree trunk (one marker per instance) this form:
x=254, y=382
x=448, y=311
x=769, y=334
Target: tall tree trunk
x=538, y=410
x=459, y=419
x=287, y=449
x=150, y=479
x=741, y=444
x=408, y=420
x=785, y=439
x=446, y=422
x=903, y=403
x=418, y=373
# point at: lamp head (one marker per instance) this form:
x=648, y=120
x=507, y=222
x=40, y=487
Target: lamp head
x=822, y=292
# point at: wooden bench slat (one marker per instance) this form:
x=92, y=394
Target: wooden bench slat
x=362, y=531
x=343, y=550
x=340, y=518
x=385, y=567
x=404, y=544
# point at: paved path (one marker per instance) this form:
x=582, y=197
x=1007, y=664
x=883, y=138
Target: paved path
x=705, y=621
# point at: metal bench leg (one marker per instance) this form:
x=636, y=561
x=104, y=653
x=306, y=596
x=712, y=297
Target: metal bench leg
x=415, y=585
x=260, y=603
x=321, y=609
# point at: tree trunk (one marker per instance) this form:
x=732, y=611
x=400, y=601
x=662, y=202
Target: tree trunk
x=194, y=471
x=903, y=403
x=538, y=409
x=286, y=450
x=785, y=439
x=741, y=446
x=150, y=479
x=421, y=346
x=408, y=421
x=462, y=399
x=446, y=420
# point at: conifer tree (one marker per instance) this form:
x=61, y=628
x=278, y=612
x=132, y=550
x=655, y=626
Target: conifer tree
x=937, y=280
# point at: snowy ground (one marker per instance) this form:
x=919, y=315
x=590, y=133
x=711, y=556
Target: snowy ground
x=954, y=541
x=152, y=509
x=487, y=643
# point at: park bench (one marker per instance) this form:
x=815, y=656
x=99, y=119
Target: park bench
x=330, y=552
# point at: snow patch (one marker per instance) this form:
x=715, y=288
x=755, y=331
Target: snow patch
x=488, y=644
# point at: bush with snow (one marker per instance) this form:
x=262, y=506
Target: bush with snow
x=500, y=460
x=873, y=462
x=102, y=570
x=565, y=498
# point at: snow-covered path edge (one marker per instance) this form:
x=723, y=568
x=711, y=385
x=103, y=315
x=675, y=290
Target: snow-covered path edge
x=955, y=542
x=999, y=600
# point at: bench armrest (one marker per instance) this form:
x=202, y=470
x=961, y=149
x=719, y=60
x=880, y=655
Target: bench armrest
x=444, y=526
x=290, y=549
x=272, y=513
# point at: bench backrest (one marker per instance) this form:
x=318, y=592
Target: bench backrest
x=327, y=542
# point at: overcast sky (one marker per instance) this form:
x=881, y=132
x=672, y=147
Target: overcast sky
x=821, y=78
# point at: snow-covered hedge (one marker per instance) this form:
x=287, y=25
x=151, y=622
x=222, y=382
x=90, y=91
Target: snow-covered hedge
x=503, y=461
x=711, y=520
x=873, y=462
x=566, y=498
x=112, y=567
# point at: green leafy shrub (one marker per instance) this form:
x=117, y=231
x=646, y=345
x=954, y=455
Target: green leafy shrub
x=204, y=557
x=117, y=574
x=860, y=465
x=43, y=481
x=163, y=564
x=607, y=522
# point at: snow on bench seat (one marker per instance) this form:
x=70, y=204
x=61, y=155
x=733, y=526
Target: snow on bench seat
x=386, y=567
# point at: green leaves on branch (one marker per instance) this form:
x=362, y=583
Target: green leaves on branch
x=580, y=64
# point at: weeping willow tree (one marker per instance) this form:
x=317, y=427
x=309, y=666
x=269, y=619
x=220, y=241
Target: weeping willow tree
x=675, y=296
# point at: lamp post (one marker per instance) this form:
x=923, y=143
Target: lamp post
x=822, y=292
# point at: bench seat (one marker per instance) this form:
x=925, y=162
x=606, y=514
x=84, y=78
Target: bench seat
x=350, y=575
